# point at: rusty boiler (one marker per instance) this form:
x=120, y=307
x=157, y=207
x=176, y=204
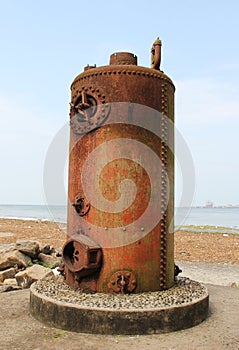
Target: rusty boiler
x=110, y=248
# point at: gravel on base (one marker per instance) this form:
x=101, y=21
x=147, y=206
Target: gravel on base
x=184, y=291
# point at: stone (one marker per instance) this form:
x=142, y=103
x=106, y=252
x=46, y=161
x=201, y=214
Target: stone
x=28, y=247
x=10, y=282
x=51, y=260
x=4, y=248
x=8, y=288
x=234, y=285
x=45, y=249
x=12, y=259
x=5, y=274
x=32, y=274
x=58, y=252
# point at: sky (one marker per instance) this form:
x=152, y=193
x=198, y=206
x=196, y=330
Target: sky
x=45, y=44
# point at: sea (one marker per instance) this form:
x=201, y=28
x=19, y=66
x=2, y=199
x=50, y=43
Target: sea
x=184, y=217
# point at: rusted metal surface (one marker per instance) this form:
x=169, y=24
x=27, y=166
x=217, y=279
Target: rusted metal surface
x=149, y=259
x=156, y=54
x=82, y=258
x=81, y=205
x=122, y=282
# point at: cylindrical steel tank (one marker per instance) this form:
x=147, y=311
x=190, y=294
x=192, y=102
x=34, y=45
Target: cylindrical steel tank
x=102, y=252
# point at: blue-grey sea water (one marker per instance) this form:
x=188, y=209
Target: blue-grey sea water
x=227, y=217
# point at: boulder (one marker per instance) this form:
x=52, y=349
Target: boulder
x=28, y=247
x=46, y=248
x=4, y=248
x=32, y=274
x=8, y=288
x=13, y=258
x=51, y=260
x=58, y=252
x=10, y=282
x=5, y=274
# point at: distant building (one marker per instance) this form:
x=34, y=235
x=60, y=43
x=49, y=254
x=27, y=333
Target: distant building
x=209, y=204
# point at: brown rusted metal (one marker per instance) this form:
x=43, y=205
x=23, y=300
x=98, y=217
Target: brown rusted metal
x=156, y=54
x=81, y=205
x=123, y=58
x=122, y=282
x=82, y=256
x=149, y=259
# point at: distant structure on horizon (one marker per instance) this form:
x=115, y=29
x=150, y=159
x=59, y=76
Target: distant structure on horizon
x=209, y=204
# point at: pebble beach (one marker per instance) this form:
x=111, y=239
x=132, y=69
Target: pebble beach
x=200, y=247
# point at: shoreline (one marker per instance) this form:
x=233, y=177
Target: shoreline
x=201, y=247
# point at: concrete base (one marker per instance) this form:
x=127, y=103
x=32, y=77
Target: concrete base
x=73, y=317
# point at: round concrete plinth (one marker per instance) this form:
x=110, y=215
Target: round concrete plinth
x=117, y=319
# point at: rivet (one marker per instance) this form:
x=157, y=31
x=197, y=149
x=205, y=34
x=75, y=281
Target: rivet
x=124, y=228
x=142, y=229
x=106, y=228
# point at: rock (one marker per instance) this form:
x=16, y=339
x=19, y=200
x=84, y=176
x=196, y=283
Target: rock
x=45, y=249
x=56, y=271
x=12, y=258
x=234, y=285
x=50, y=260
x=58, y=252
x=4, y=248
x=8, y=288
x=9, y=273
x=28, y=247
x=32, y=274
x=10, y=281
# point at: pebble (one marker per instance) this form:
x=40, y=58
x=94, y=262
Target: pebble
x=184, y=291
